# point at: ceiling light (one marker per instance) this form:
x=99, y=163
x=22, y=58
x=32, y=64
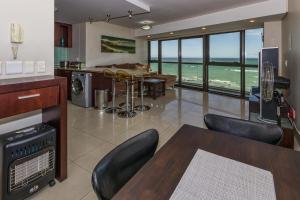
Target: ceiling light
x=171, y=33
x=252, y=21
x=146, y=27
x=130, y=14
x=204, y=28
x=146, y=22
x=148, y=36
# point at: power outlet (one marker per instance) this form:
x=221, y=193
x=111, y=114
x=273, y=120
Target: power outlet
x=41, y=66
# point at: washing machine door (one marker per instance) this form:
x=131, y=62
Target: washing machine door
x=77, y=87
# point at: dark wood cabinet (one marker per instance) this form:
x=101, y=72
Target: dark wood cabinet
x=68, y=75
x=63, y=35
x=48, y=93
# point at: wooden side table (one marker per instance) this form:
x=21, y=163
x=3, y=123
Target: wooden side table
x=156, y=87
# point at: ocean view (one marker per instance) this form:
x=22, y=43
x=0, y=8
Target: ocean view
x=219, y=76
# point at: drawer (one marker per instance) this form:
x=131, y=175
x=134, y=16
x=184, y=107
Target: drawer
x=26, y=101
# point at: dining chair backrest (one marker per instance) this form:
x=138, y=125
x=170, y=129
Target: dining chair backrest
x=267, y=133
x=118, y=166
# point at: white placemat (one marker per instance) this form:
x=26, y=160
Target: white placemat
x=213, y=177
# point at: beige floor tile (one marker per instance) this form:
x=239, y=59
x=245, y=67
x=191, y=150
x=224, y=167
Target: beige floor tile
x=76, y=186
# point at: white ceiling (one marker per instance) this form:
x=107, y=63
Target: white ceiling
x=162, y=11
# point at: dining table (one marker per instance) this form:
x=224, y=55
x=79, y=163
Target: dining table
x=158, y=178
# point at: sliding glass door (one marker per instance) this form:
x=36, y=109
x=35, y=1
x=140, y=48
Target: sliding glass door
x=192, y=61
x=224, y=69
x=253, y=44
x=223, y=62
x=169, y=57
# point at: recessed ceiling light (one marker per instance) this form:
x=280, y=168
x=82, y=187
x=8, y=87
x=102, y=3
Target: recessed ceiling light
x=204, y=28
x=146, y=22
x=252, y=21
x=148, y=36
x=146, y=27
x=171, y=33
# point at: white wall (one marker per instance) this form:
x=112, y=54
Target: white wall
x=37, y=20
x=291, y=52
x=95, y=57
x=273, y=38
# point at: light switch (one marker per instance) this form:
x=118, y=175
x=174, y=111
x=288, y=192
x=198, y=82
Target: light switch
x=14, y=67
x=41, y=66
x=28, y=67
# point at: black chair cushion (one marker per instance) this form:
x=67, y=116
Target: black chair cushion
x=267, y=133
x=118, y=166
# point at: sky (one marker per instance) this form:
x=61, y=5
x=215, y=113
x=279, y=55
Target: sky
x=221, y=46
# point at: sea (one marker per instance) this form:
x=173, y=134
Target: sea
x=227, y=77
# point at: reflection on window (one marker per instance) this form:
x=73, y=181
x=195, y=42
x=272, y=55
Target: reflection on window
x=224, y=77
x=169, y=51
x=154, y=50
x=225, y=47
x=253, y=44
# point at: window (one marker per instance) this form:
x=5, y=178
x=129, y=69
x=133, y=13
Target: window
x=192, y=61
x=225, y=47
x=224, y=70
x=253, y=44
x=224, y=77
x=154, y=56
x=169, y=57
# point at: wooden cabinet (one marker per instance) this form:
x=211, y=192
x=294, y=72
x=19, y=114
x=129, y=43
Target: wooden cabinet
x=63, y=35
x=48, y=93
x=25, y=101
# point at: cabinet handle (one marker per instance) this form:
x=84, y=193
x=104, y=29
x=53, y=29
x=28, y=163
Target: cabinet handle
x=29, y=96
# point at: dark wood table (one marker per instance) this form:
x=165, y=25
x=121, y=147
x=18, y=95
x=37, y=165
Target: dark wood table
x=156, y=87
x=160, y=176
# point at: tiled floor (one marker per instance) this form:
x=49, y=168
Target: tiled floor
x=92, y=133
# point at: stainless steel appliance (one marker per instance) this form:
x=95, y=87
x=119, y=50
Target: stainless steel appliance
x=82, y=89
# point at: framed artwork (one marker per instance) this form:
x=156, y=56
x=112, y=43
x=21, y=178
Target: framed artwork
x=111, y=44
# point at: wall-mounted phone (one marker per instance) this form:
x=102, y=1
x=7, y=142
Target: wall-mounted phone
x=16, y=33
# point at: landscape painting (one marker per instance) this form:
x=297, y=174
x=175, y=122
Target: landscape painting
x=111, y=44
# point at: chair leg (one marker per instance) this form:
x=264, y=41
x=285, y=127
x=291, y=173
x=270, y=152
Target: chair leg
x=113, y=109
x=142, y=107
x=128, y=113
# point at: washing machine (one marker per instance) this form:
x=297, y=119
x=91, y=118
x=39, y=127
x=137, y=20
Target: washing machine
x=82, y=89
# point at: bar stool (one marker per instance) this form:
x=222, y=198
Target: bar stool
x=142, y=106
x=129, y=80
x=110, y=74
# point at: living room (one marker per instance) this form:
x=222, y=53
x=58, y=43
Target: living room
x=139, y=99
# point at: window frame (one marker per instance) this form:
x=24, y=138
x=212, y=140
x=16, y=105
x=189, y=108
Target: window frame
x=206, y=63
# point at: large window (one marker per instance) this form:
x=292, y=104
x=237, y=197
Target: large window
x=154, y=55
x=253, y=44
x=192, y=61
x=169, y=57
x=227, y=62
x=224, y=48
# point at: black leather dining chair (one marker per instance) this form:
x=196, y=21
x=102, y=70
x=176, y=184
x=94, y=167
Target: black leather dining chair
x=122, y=163
x=267, y=133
